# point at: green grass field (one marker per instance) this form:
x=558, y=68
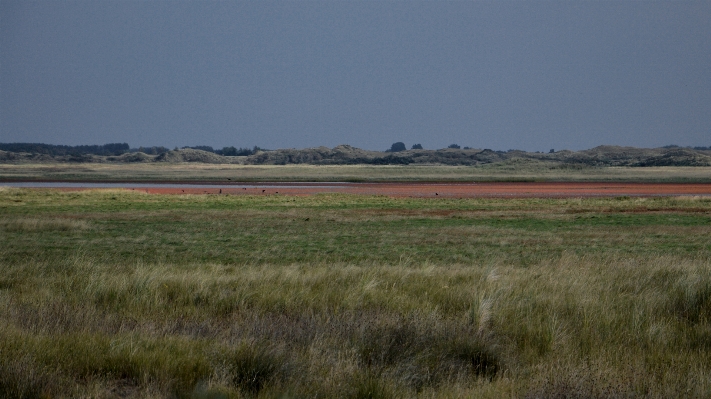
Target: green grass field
x=113, y=294
x=512, y=170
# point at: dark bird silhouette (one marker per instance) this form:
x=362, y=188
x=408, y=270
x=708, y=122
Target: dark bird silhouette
x=264, y=190
x=220, y=191
x=436, y=194
x=229, y=178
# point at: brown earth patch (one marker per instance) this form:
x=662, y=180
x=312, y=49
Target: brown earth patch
x=658, y=210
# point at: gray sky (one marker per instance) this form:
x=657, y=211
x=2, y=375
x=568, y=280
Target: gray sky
x=529, y=75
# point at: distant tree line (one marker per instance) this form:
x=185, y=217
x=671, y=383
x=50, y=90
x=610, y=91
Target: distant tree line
x=114, y=149
x=60, y=150
x=400, y=146
x=229, y=151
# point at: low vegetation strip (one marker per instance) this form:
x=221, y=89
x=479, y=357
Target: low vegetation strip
x=114, y=293
x=438, y=190
x=225, y=174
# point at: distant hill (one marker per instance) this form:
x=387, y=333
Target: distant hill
x=598, y=156
x=65, y=150
x=347, y=155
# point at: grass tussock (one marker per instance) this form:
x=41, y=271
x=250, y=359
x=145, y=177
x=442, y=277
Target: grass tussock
x=692, y=299
x=32, y=225
x=586, y=382
x=252, y=366
x=23, y=378
x=371, y=298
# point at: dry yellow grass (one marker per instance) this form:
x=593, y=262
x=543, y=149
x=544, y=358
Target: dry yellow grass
x=117, y=294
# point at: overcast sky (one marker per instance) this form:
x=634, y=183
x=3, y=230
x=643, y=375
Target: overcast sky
x=529, y=75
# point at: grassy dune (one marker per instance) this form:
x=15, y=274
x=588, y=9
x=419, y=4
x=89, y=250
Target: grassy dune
x=121, y=294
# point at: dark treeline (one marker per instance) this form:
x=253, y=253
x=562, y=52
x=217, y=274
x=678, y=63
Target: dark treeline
x=229, y=151
x=59, y=150
x=114, y=149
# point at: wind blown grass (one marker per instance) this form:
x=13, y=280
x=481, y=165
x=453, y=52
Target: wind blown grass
x=207, y=296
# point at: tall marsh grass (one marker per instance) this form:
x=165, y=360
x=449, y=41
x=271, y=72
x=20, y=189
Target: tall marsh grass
x=570, y=314
x=577, y=327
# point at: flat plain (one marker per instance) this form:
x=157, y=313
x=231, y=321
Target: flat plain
x=118, y=293
x=513, y=170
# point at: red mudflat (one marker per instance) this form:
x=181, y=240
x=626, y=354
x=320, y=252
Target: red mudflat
x=454, y=190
